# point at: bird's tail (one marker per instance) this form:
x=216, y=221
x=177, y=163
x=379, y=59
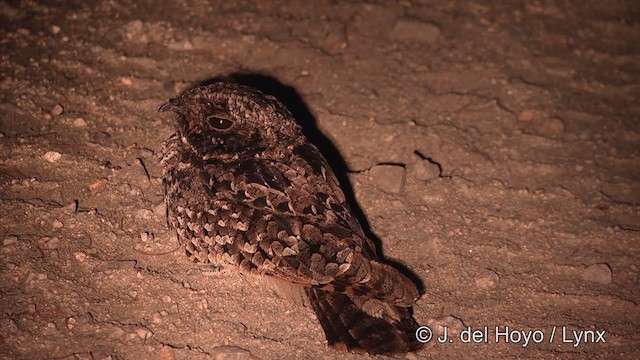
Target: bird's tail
x=353, y=325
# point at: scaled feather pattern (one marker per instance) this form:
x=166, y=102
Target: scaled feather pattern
x=244, y=188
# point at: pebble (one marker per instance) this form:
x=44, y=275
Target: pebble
x=415, y=31
x=57, y=224
x=160, y=210
x=57, y=110
x=143, y=333
x=126, y=81
x=99, y=183
x=146, y=236
x=390, y=178
x=31, y=308
x=79, y=122
x=598, y=273
x=453, y=324
x=52, y=243
x=55, y=29
x=488, y=281
x=134, y=29
x=144, y=214
x=80, y=256
x=166, y=353
x=552, y=127
x=426, y=170
x=117, y=333
x=180, y=45
x=52, y=156
x=9, y=240
x=71, y=323
x=203, y=305
x=527, y=115
x=230, y=353
x=156, y=318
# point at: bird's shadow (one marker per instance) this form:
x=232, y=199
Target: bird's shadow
x=293, y=101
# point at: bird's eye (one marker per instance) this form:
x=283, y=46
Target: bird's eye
x=219, y=123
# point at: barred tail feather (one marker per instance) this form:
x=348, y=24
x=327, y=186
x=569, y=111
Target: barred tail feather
x=348, y=327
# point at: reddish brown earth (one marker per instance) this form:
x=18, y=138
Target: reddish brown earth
x=513, y=130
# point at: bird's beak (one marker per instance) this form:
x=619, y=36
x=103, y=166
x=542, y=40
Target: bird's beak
x=171, y=105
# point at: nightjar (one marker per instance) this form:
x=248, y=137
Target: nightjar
x=245, y=188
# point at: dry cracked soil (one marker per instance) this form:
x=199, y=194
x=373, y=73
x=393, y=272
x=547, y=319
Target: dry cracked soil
x=493, y=148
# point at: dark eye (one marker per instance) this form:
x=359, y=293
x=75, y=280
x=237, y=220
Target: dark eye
x=219, y=123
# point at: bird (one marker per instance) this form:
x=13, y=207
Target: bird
x=245, y=189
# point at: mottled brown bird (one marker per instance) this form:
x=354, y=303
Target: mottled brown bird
x=245, y=188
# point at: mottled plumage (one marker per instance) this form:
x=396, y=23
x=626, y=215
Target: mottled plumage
x=245, y=188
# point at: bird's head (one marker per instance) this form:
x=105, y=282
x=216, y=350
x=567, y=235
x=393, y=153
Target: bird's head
x=226, y=120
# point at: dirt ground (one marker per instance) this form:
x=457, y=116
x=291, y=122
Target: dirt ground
x=493, y=148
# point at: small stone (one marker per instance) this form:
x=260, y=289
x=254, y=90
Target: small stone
x=99, y=183
x=160, y=210
x=143, y=333
x=52, y=156
x=9, y=240
x=156, y=318
x=31, y=308
x=57, y=110
x=57, y=224
x=52, y=243
x=166, y=353
x=146, y=236
x=527, y=115
x=415, y=30
x=203, y=305
x=426, y=170
x=126, y=81
x=598, y=273
x=390, y=178
x=117, y=333
x=487, y=281
x=166, y=299
x=453, y=325
x=144, y=214
x=71, y=323
x=134, y=29
x=180, y=45
x=230, y=353
x=80, y=256
x=79, y=122
x=55, y=29
x=552, y=127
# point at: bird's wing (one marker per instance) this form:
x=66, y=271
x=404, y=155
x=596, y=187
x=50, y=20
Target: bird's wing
x=291, y=220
